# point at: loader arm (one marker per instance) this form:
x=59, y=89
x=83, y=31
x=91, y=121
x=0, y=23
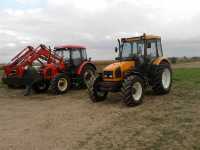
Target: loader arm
x=28, y=56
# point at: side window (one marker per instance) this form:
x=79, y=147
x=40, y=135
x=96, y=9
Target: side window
x=59, y=53
x=151, y=49
x=76, y=57
x=134, y=51
x=126, y=50
x=159, y=47
x=84, y=54
x=76, y=54
x=66, y=55
x=140, y=49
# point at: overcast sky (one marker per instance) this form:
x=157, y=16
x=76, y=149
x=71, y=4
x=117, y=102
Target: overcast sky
x=98, y=23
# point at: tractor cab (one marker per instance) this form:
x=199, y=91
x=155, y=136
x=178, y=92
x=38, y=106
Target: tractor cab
x=140, y=49
x=73, y=55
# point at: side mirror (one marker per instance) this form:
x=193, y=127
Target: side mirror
x=116, y=49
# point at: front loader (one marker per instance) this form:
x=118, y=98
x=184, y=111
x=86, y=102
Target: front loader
x=140, y=64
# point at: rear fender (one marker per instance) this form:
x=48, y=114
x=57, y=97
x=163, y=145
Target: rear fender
x=161, y=60
x=81, y=67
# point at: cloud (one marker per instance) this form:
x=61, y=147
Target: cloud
x=97, y=24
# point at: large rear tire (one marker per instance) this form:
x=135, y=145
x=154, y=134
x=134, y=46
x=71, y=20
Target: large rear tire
x=132, y=90
x=60, y=84
x=95, y=94
x=162, y=79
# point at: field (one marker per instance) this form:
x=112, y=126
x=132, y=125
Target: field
x=72, y=121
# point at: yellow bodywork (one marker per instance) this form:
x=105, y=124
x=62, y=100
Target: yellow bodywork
x=126, y=66
x=159, y=60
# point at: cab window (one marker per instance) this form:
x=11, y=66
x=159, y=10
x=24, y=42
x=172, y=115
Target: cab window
x=84, y=54
x=126, y=52
x=59, y=52
x=151, y=49
x=140, y=49
x=76, y=57
x=66, y=55
x=76, y=54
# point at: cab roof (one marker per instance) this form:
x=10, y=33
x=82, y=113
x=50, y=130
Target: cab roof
x=143, y=37
x=70, y=46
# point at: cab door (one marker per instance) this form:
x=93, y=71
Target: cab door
x=151, y=51
x=76, y=57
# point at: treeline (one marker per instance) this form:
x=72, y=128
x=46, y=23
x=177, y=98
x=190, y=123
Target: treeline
x=185, y=59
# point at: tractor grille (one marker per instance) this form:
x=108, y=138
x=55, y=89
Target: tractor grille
x=108, y=74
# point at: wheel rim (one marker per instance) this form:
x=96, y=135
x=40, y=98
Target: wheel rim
x=137, y=91
x=166, y=78
x=62, y=84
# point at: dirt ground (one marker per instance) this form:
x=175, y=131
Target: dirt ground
x=72, y=121
x=187, y=65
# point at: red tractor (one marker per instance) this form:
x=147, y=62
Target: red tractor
x=59, y=69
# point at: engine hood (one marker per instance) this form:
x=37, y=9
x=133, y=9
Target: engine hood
x=124, y=66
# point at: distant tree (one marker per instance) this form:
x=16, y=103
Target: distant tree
x=195, y=58
x=174, y=60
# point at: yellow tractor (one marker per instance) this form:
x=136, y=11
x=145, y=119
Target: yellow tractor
x=140, y=64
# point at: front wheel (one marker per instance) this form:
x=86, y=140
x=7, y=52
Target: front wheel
x=41, y=86
x=95, y=94
x=132, y=90
x=88, y=74
x=60, y=84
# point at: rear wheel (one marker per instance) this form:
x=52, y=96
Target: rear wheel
x=41, y=86
x=162, y=79
x=132, y=90
x=95, y=94
x=60, y=84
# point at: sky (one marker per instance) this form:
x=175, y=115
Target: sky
x=97, y=24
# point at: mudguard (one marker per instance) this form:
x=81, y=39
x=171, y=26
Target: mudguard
x=81, y=67
x=161, y=60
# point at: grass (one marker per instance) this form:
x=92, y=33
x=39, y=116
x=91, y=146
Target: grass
x=187, y=78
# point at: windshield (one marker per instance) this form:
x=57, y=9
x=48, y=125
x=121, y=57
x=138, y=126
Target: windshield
x=132, y=49
x=64, y=53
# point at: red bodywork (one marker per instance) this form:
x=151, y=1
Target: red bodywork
x=29, y=55
x=52, y=63
x=81, y=67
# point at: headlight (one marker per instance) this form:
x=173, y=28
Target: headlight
x=108, y=74
x=118, y=73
